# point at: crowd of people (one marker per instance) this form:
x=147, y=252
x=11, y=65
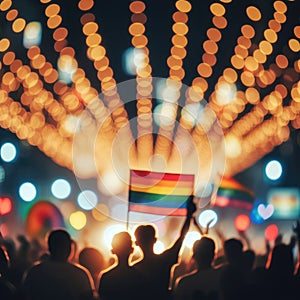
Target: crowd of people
x=30, y=272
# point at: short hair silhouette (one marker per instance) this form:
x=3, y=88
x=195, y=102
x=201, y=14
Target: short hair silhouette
x=145, y=235
x=233, y=249
x=59, y=244
x=204, y=250
x=122, y=244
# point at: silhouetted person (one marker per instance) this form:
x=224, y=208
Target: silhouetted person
x=92, y=259
x=7, y=289
x=120, y=281
x=56, y=278
x=156, y=268
x=232, y=274
x=202, y=283
x=281, y=282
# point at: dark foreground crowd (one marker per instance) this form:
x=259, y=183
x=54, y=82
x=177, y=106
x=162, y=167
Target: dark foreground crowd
x=27, y=273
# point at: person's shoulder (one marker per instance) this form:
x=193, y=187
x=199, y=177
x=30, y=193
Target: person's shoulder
x=185, y=279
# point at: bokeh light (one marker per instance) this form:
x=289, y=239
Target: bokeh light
x=32, y=34
x=190, y=238
x=8, y=152
x=242, y=222
x=61, y=188
x=87, y=199
x=159, y=247
x=271, y=232
x=265, y=211
x=27, y=191
x=5, y=206
x=110, y=232
x=207, y=216
x=273, y=170
x=78, y=220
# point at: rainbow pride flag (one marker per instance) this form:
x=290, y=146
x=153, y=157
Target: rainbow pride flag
x=159, y=193
x=232, y=193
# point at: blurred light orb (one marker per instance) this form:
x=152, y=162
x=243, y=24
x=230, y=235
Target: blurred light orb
x=27, y=191
x=271, y=232
x=273, y=170
x=133, y=58
x=191, y=238
x=265, y=212
x=8, y=152
x=67, y=66
x=159, y=247
x=225, y=93
x=110, y=232
x=32, y=35
x=206, y=216
x=242, y=222
x=61, y=188
x=77, y=220
x=87, y=200
x=5, y=206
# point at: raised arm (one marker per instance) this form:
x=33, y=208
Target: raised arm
x=191, y=208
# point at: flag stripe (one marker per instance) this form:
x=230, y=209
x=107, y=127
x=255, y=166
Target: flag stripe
x=230, y=183
x=179, y=191
x=168, y=211
x=157, y=199
x=149, y=182
x=161, y=176
x=235, y=194
x=160, y=193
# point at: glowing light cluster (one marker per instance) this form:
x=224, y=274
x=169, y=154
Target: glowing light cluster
x=54, y=93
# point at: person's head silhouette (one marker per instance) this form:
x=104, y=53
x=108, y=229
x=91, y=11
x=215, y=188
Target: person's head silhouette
x=204, y=252
x=233, y=249
x=59, y=244
x=145, y=236
x=122, y=245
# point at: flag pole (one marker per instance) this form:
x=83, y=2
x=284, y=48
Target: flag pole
x=127, y=221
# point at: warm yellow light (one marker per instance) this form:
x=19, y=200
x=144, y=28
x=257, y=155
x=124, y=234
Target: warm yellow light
x=294, y=45
x=18, y=25
x=253, y=13
x=251, y=64
x=270, y=35
x=204, y=70
x=237, y=62
x=230, y=75
x=54, y=21
x=181, y=17
x=252, y=95
x=180, y=28
x=219, y=22
x=137, y=7
x=248, y=31
x=78, y=220
x=217, y=9
x=85, y=4
x=210, y=47
x=214, y=34
x=4, y=44
x=265, y=47
x=183, y=6
x=11, y=15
